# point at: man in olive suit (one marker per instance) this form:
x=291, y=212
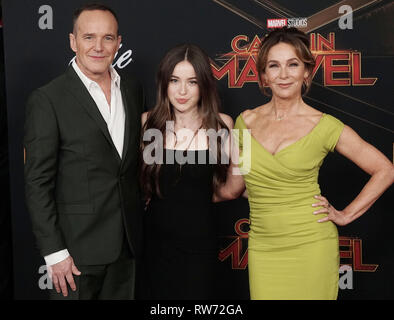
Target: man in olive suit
x=81, y=142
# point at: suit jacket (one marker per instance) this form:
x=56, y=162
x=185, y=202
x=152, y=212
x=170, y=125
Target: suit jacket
x=80, y=194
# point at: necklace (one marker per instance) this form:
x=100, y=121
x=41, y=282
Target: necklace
x=280, y=118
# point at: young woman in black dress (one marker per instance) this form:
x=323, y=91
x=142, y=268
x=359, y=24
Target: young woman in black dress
x=181, y=248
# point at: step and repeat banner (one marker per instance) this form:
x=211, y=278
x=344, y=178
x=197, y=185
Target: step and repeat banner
x=354, y=49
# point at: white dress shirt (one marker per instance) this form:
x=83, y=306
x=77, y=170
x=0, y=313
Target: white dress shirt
x=114, y=116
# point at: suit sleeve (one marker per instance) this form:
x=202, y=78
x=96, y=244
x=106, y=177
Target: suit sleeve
x=41, y=141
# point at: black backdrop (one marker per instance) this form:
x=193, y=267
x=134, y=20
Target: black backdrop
x=33, y=56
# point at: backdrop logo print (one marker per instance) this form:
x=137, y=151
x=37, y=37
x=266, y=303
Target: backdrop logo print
x=297, y=22
x=235, y=250
x=229, y=149
x=239, y=65
x=287, y=22
x=351, y=253
x=276, y=23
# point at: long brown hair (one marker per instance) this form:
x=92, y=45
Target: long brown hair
x=208, y=108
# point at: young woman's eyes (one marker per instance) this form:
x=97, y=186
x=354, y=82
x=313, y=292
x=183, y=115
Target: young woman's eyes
x=192, y=82
x=272, y=65
x=294, y=64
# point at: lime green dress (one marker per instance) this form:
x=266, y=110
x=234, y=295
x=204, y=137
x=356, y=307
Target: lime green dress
x=290, y=255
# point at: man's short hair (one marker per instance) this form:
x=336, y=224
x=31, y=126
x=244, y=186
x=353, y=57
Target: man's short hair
x=91, y=7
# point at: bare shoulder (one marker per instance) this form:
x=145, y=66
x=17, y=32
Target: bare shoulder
x=250, y=115
x=227, y=120
x=311, y=114
x=144, y=117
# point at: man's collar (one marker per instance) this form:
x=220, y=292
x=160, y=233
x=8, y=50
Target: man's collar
x=114, y=75
x=88, y=82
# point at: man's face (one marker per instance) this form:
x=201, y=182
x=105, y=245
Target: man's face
x=95, y=41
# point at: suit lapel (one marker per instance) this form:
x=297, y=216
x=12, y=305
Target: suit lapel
x=126, y=106
x=81, y=94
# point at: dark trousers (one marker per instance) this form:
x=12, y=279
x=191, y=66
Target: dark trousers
x=114, y=281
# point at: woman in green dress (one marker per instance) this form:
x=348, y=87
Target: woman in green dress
x=293, y=247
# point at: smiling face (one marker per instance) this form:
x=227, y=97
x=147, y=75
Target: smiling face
x=183, y=90
x=95, y=42
x=284, y=72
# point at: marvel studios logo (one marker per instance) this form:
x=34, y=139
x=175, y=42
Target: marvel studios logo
x=287, y=22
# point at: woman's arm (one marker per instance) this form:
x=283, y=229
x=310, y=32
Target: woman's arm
x=234, y=185
x=372, y=161
x=232, y=189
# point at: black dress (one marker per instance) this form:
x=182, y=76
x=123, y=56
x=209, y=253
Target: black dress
x=181, y=245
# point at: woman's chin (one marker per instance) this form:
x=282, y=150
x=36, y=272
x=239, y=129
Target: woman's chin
x=286, y=95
